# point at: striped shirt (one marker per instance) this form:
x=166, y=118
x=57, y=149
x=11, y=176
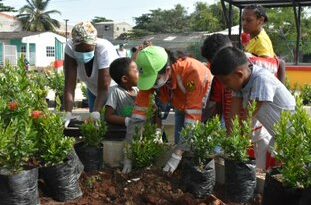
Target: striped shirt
x=264, y=87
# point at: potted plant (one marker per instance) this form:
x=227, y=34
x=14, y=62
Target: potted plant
x=146, y=146
x=291, y=182
x=18, y=170
x=90, y=150
x=198, y=171
x=240, y=171
x=61, y=167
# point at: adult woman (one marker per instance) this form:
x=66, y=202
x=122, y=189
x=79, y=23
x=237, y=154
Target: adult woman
x=87, y=58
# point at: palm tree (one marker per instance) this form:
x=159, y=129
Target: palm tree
x=34, y=16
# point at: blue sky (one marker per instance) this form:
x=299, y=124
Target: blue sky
x=118, y=10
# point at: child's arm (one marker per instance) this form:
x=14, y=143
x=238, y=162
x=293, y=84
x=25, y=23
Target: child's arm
x=112, y=118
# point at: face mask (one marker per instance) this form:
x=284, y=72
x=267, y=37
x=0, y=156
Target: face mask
x=161, y=81
x=84, y=57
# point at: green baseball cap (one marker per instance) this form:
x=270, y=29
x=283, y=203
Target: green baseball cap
x=150, y=61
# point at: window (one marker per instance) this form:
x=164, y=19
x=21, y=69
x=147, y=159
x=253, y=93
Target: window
x=124, y=29
x=23, y=49
x=50, y=51
x=107, y=28
x=117, y=28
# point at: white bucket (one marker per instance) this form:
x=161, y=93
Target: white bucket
x=113, y=153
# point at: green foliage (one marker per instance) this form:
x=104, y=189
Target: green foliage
x=21, y=87
x=5, y=8
x=283, y=34
x=98, y=19
x=203, y=138
x=56, y=81
x=210, y=17
x=34, y=16
x=293, y=147
x=204, y=18
x=157, y=20
x=17, y=145
x=146, y=148
x=237, y=143
x=305, y=94
x=94, y=131
x=29, y=133
x=84, y=90
x=53, y=146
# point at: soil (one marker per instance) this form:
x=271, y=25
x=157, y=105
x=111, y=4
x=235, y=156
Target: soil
x=145, y=187
x=138, y=188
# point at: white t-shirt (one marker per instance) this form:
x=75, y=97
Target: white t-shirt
x=105, y=53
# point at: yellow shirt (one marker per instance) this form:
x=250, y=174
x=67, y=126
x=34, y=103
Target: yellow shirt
x=260, y=45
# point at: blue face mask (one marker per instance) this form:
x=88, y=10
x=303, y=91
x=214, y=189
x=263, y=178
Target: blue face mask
x=84, y=57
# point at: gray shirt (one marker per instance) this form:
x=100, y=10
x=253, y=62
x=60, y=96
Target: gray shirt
x=121, y=101
x=264, y=87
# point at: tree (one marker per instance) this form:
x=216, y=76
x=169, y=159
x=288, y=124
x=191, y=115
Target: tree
x=210, y=17
x=5, y=8
x=282, y=31
x=98, y=19
x=164, y=21
x=34, y=16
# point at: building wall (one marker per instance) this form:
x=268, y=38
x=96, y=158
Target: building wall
x=120, y=28
x=43, y=41
x=111, y=30
x=21, y=49
x=105, y=30
x=8, y=23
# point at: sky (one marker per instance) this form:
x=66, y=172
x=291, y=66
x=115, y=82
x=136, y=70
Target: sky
x=117, y=10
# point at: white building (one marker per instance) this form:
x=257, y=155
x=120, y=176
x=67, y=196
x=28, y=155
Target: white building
x=41, y=49
x=112, y=30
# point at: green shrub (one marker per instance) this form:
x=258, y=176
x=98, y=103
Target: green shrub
x=305, y=94
x=57, y=82
x=53, y=146
x=146, y=148
x=293, y=147
x=203, y=139
x=94, y=131
x=237, y=143
x=17, y=145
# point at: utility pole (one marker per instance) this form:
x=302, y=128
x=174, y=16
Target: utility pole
x=66, y=20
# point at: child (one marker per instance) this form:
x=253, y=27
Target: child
x=120, y=103
x=252, y=83
x=222, y=98
x=254, y=18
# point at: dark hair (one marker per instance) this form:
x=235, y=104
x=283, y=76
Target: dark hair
x=133, y=49
x=119, y=68
x=213, y=44
x=174, y=55
x=259, y=11
x=227, y=60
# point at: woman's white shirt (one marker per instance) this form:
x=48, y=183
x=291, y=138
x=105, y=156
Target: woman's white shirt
x=104, y=54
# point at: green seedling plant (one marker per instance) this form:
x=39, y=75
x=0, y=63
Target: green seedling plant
x=53, y=146
x=293, y=147
x=56, y=82
x=145, y=147
x=305, y=94
x=94, y=131
x=17, y=146
x=203, y=139
x=238, y=141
